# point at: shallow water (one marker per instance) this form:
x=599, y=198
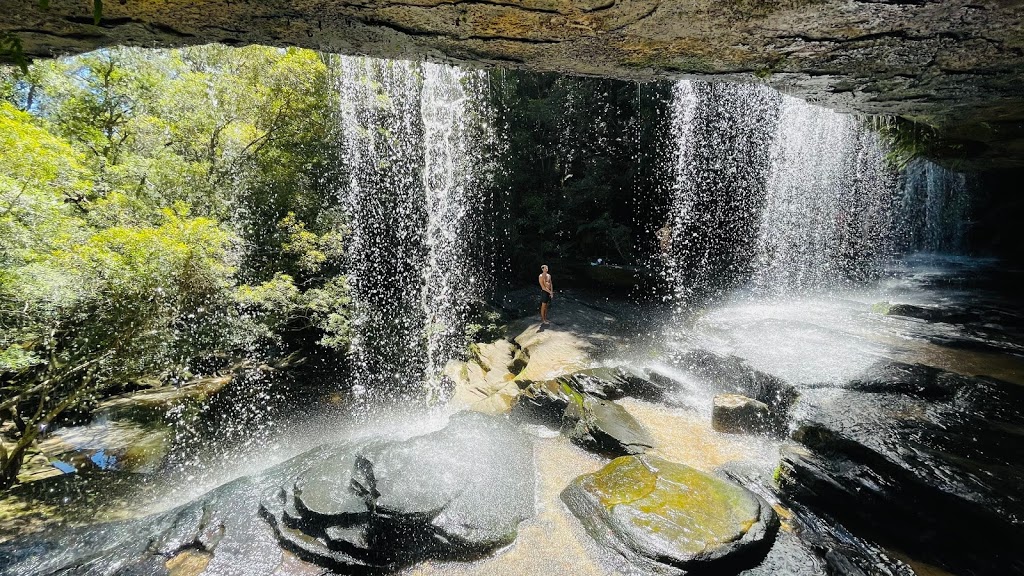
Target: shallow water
x=830, y=337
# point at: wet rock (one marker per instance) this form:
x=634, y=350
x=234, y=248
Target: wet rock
x=459, y=492
x=940, y=473
x=843, y=56
x=733, y=375
x=151, y=406
x=984, y=328
x=484, y=383
x=737, y=414
x=604, y=427
x=917, y=380
x=670, y=517
x=519, y=361
x=127, y=547
x=810, y=544
x=541, y=403
x=613, y=384
x=455, y=493
x=928, y=314
x=593, y=423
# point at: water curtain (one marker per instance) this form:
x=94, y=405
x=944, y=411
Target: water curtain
x=413, y=138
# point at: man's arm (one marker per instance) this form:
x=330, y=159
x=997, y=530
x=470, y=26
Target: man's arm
x=551, y=286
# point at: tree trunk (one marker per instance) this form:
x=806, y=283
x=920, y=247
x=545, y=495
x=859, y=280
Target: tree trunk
x=10, y=465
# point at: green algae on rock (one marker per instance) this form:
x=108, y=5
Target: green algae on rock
x=669, y=516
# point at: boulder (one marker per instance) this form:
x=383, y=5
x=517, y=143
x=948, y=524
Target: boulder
x=983, y=328
x=737, y=414
x=484, y=383
x=613, y=384
x=811, y=544
x=598, y=425
x=152, y=406
x=604, y=427
x=732, y=374
x=672, y=518
x=541, y=403
x=456, y=493
x=371, y=506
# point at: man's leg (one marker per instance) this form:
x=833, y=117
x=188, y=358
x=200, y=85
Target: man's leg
x=544, y=312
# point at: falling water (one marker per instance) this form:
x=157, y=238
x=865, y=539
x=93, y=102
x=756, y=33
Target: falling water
x=935, y=207
x=774, y=191
x=412, y=150
x=454, y=125
x=829, y=213
x=722, y=138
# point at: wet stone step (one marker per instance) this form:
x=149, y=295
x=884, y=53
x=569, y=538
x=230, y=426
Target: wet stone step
x=925, y=459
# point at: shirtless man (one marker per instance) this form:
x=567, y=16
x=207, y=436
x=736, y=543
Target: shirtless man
x=547, y=292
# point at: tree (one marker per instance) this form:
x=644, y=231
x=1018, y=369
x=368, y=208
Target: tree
x=157, y=208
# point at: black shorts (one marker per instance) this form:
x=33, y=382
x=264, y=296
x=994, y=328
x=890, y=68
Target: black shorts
x=545, y=298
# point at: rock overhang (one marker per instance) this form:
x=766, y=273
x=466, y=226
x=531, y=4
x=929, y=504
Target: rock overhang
x=954, y=66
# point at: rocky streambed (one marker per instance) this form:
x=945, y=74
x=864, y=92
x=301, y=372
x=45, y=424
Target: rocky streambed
x=587, y=448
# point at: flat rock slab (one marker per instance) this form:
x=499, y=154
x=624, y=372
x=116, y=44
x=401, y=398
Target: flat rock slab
x=614, y=383
x=664, y=515
x=930, y=460
x=604, y=427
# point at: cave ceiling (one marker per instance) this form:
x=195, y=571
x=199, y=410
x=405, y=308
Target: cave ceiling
x=953, y=66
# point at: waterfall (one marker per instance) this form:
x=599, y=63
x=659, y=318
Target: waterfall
x=453, y=183
x=723, y=134
x=829, y=213
x=786, y=196
x=936, y=204
x=408, y=132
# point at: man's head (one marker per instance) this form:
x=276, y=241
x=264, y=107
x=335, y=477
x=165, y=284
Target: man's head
x=544, y=268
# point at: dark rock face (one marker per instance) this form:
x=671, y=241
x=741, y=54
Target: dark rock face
x=928, y=460
x=575, y=404
x=732, y=375
x=670, y=517
x=736, y=414
x=812, y=544
x=954, y=64
x=540, y=403
x=222, y=523
x=984, y=328
x=613, y=384
x=455, y=493
x=604, y=427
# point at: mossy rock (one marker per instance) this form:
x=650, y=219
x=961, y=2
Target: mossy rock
x=668, y=516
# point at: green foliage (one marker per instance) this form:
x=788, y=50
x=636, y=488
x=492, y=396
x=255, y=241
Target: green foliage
x=328, y=307
x=310, y=251
x=12, y=51
x=281, y=306
x=485, y=324
x=907, y=140
x=162, y=214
